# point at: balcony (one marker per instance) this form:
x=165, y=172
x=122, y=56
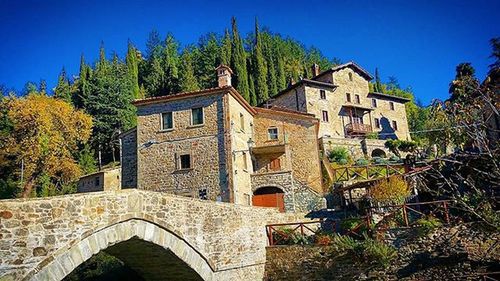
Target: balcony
x=358, y=129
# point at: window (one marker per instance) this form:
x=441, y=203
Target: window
x=374, y=103
x=185, y=160
x=202, y=194
x=395, y=125
x=97, y=181
x=272, y=133
x=348, y=97
x=167, y=121
x=325, y=116
x=197, y=116
x=377, y=123
x=322, y=94
x=391, y=105
x=242, y=122
x=350, y=76
x=358, y=100
x=245, y=166
x=275, y=164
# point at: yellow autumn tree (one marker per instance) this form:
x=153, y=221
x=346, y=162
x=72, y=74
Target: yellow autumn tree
x=43, y=141
x=393, y=190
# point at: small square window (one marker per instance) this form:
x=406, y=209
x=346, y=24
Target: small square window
x=374, y=103
x=377, y=123
x=197, y=116
x=185, y=160
x=348, y=97
x=395, y=125
x=167, y=122
x=272, y=133
x=322, y=94
x=391, y=105
x=325, y=116
x=202, y=194
x=358, y=99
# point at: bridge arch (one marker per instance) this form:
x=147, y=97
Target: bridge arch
x=65, y=260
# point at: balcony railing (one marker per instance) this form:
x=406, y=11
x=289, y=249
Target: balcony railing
x=358, y=128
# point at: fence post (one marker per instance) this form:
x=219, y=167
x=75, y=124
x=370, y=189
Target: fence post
x=302, y=229
x=446, y=215
x=270, y=235
x=405, y=214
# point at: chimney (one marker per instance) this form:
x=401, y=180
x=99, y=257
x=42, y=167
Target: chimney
x=223, y=75
x=315, y=70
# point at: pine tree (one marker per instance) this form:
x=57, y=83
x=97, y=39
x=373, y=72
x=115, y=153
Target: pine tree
x=239, y=62
x=259, y=68
x=42, y=87
x=62, y=90
x=133, y=69
x=225, y=50
x=82, y=93
x=153, y=45
x=187, y=78
x=170, y=62
x=154, y=81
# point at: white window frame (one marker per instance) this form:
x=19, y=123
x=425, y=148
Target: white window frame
x=269, y=133
x=323, y=116
x=203, y=116
x=161, y=122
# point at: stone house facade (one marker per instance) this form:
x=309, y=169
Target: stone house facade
x=104, y=180
x=340, y=98
x=212, y=144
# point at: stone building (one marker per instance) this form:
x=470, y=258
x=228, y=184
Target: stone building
x=212, y=144
x=349, y=113
x=104, y=180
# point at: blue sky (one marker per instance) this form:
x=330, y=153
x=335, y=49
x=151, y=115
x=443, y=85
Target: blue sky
x=419, y=42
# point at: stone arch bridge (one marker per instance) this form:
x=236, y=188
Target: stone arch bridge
x=47, y=238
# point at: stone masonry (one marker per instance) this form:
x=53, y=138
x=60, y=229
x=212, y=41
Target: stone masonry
x=46, y=238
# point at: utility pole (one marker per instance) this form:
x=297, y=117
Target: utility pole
x=99, y=155
x=22, y=172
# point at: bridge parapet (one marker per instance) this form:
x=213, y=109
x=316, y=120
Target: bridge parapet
x=45, y=238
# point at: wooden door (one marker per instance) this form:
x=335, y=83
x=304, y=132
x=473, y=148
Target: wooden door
x=270, y=200
x=275, y=165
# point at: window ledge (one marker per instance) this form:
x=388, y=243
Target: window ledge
x=195, y=126
x=183, y=170
x=165, y=130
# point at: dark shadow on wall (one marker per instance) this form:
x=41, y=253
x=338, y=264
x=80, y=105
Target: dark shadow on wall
x=221, y=147
x=387, y=132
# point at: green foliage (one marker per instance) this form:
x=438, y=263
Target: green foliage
x=86, y=160
x=428, y=224
x=372, y=136
x=260, y=68
x=63, y=90
x=239, y=63
x=395, y=146
x=351, y=224
x=133, y=69
x=287, y=236
x=339, y=154
x=187, y=78
x=361, y=162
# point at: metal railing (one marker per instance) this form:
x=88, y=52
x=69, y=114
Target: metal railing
x=368, y=172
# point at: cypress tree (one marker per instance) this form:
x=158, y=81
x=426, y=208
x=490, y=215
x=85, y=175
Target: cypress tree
x=239, y=63
x=187, y=78
x=269, y=57
x=154, y=81
x=170, y=65
x=62, y=90
x=153, y=45
x=225, y=51
x=82, y=93
x=259, y=68
x=280, y=71
x=208, y=60
x=378, y=84
x=133, y=69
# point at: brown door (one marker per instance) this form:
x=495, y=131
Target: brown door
x=269, y=200
x=275, y=165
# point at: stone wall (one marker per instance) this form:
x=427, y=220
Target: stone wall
x=129, y=159
x=159, y=150
x=51, y=236
x=105, y=180
x=356, y=146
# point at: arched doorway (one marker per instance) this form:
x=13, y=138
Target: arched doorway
x=377, y=152
x=269, y=196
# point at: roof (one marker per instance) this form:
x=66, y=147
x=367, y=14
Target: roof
x=283, y=110
x=352, y=64
x=127, y=132
x=305, y=81
x=105, y=170
x=393, y=97
x=192, y=94
x=225, y=67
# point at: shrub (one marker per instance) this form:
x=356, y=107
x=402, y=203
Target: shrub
x=379, y=160
x=350, y=224
x=372, y=136
x=361, y=162
x=393, y=190
x=338, y=154
x=394, y=158
x=287, y=236
x=379, y=253
x=343, y=161
x=428, y=224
